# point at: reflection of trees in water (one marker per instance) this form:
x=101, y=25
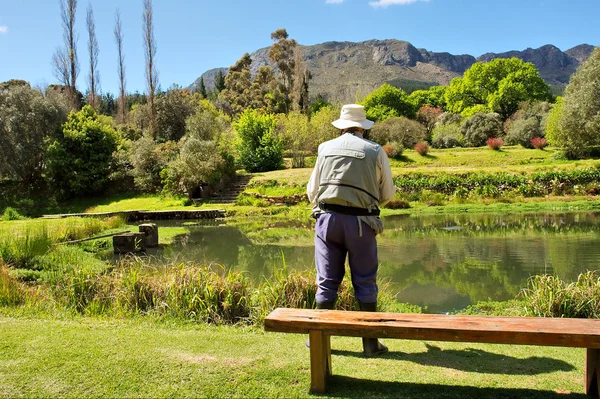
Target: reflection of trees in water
x=495, y=268
x=474, y=262
x=492, y=223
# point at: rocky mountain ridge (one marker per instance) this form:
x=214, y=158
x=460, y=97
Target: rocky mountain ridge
x=344, y=71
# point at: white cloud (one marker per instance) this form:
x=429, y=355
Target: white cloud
x=3, y=29
x=334, y=1
x=386, y=3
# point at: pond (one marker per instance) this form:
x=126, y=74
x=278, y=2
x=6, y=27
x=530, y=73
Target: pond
x=439, y=262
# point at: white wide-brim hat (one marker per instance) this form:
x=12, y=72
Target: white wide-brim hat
x=353, y=115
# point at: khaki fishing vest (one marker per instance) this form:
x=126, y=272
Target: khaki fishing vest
x=348, y=172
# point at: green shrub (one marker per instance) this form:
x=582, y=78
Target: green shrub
x=402, y=130
x=447, y=136
x=11, y=214
x=259, y=150
x=79, y=162
x=148, y=160
x=523, y=131
x=480, y=127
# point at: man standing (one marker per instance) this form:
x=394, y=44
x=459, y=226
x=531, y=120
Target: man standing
x=351, y=179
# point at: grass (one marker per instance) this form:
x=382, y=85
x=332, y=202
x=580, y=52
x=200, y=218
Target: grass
x=88, y=357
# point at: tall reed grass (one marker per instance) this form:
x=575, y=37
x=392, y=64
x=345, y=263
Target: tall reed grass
x=194, y=292
x=23, y=243
x=12, y=293
x=550, y=296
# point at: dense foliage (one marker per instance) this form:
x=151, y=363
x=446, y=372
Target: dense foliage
x=579, y=126
x=481, y=127
x=259, y=150
x=386, y=102
x=79, y=162
x=28, y=119
x=399, y=130
x=499, y=85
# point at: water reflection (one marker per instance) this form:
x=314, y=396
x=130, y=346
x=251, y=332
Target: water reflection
x=442, y=262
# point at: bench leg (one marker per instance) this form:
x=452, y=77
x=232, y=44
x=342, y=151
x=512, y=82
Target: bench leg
x=320, y=360
x=592, y=371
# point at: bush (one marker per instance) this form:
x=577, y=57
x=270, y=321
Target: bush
x=79, y=163
x=539, y=143
x=393, y=150
x=259, y=150
x=447, y=136
x=148, y=160
x=401, y=130
x=11, y=214
x=199, y=162
x=480, y=127
x=523, y=131
x=297, y=136
x=495, y=143
x=422, y=148
x=449, y=118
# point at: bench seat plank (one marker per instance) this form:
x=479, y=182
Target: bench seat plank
x=583, y=333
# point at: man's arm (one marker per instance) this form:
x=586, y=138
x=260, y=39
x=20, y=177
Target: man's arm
x=387, y=189
x=312, y=188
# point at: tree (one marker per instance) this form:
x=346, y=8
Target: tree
x=151, y=71
x=172, y=110
x=500, y=85
x=236, y=93
x=388, y=101
x=93, y=50
x=122, y=101
x=282, y=53
x=27, y=121
x=65, y=61
x=579, y=126
x=428, y=116
x=553, y=132
x=259, y=150
x=434, y=97
x=202, y=88
x=107, y=105
x=219, y=82
x=79, y=162
x=302, y=76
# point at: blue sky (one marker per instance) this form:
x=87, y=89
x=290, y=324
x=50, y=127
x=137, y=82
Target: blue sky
x=194, y=36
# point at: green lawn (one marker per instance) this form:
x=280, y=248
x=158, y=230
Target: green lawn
x=85, y=357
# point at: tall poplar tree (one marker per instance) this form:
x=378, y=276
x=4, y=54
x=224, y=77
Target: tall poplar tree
x=65, y=61
x=122, y=102
x=93, y=49
x=151, y=71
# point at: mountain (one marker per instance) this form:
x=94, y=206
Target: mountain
x=343, y=71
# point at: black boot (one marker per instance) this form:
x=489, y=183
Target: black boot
x=322, y=305
x=371, y=346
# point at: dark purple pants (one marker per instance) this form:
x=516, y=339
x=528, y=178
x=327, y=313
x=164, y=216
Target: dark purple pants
x=335, y=236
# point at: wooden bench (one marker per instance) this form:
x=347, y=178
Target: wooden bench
x=320, y=325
